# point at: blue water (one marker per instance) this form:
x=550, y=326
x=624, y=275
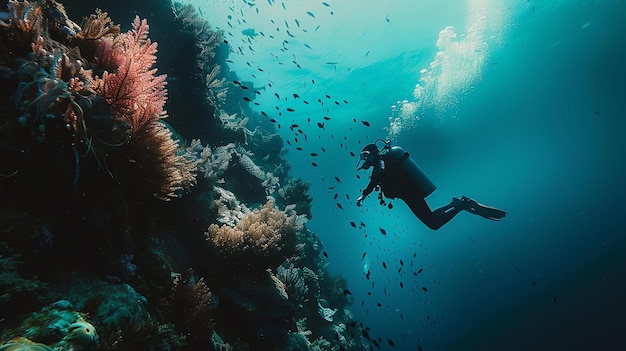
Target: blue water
x=524, y=108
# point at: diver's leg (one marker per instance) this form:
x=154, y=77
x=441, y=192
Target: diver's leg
x=433, y=219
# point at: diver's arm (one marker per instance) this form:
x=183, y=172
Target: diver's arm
x=370, y=187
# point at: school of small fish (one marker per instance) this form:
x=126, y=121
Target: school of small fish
x=288, y=113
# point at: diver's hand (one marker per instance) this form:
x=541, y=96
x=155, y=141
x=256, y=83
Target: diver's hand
x=360, y=200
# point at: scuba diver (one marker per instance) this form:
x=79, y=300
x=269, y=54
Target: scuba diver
x=395, y=175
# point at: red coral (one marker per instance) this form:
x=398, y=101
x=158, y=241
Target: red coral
x=132, y=89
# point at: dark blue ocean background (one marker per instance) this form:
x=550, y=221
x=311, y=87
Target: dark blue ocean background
x=524, y=108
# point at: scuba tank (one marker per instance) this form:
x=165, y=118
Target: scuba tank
x=403, y=176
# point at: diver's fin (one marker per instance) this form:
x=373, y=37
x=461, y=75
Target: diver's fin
x=478, y=209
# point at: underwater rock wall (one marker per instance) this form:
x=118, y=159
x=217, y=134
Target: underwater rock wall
x=122, y=231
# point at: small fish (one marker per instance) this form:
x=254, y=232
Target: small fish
x=313, y=164
x=327, y=96
x=345, y=101
x=424, y=288
x=308, y=46
x=391, y=343
x=383, y=231
x=401, y=263
x=401, y=285
x=325, y=254
x=273, y=120
x=290, y=109
x=384, y=264
x=264, y=114
x=327, y=118
x=277, y=96
x=296, y=96
x=331, y=63
x=420, y=270
x=338, y=180
x=347, y=292
x=299, y=148
x=320, y=124
x=339, y=205
x=366, y=123
x=245, y=98
x=314, y=154
x=363, y=256
x=326, y=4
x=353, y=224
x=310, y=14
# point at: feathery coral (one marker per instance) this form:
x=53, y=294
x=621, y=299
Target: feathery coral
x=137, y=96
x=133, y=91
x=188, y=307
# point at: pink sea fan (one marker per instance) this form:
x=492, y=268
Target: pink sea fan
x=133, y=90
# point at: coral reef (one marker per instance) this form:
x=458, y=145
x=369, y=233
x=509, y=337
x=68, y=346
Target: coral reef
x=91, y=258
x=263, y=236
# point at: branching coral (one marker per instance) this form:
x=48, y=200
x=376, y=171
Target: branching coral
x=264, y=232
x=296, y=192
x=207, y=41
x=290, y=282
x=229, y=209
x=98, y=25
x=188, y=307
x=23, y=16
x=214, y=163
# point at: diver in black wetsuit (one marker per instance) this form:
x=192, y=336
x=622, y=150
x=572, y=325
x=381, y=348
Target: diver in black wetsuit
x=396, y=175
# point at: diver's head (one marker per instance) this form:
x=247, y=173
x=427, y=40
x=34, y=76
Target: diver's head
x=369, y=156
